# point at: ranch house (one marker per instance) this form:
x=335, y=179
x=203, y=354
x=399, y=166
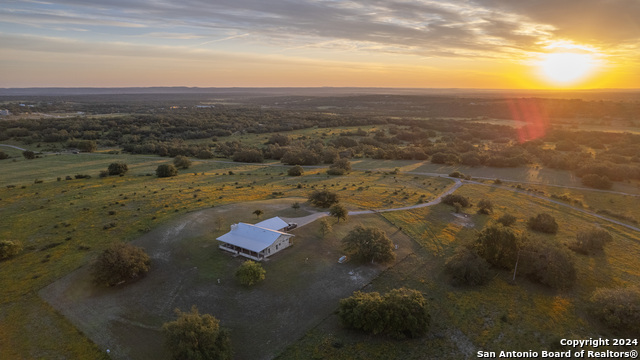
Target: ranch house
x=257, y=241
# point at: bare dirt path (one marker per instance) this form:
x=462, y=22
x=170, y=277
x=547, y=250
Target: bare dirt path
x=14, y=147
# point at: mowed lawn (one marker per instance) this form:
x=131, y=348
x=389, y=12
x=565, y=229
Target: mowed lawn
x=64, y=224
x=496, y=316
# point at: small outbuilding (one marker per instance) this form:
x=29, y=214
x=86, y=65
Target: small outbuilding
x=257, y=241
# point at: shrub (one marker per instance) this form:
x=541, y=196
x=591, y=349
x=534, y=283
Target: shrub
x=498, y=246
x=3, y=155
x=401, y=313
x=336, y=172
x=457, y=174
x=120, y=262
x=453, y=198
x=117, y=168
x=29, y=155
x=250, y=272
x=597, y=182
x=467, y=268
x=295, y=171
x=196, y=336
x=368, y=244
x=543, y=223
x=485, y=206
x=323, y=198
x=248, y=155
x=166, y=170
x=9, y=249
x=618, y=308
x=507, y=219
x=181, y=162
x=591, y=241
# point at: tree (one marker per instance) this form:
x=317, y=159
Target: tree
x=196, y=336
x=507, y=219
x=453, y=198
x=591, y=241
x=548, y=264
x=323, y=198
x=369, y=244
x=617, y=308
x=296, y=171
x=117, y=168
x=596, y=181
x=295, y=206
x=325, y=227
x=248, y=155
x=3, y=155
x=466, y=267
x=543, y=223
x=339, y=212
x=498, y=246
x=166, y=170
x=181, y=162
x=258, y=213
x=29, y=155
x=400, y=313
x=485, y=206
x=120, y=262
x=9, y=249
x=339, y=167
x=250, y=272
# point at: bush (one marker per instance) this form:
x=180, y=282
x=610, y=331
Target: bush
x=196, y=336
x=591, y=241
x=368, y=244
x=543, y=223
x=166, y=170
x=248, y=155
x=453, y=198
x=467, y=268
x=547, y=264
x=323, y=198
x=29, y=155
x=336, y=172
x=9, y=249
x=295, y=171
x=597, y=182
x=485, y=206
x=181, y=162
x=3, y=155
x=119, y=263
x=250, y=272
x=507, y=219
x=117, y=168
x=401, y=313
x=618, y=308
x=498, y=246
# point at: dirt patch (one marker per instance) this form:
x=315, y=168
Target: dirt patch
x=463, y=220
x=303, y=286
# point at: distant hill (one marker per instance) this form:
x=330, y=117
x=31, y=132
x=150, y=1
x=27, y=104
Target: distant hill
x=597, y=94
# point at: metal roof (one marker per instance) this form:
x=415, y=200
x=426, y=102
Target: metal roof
x=275, y=223
x=251, y=237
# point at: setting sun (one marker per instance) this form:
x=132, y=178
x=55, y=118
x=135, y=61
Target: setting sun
x=567, y=68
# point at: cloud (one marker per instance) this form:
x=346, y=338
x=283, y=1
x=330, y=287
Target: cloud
x=503, y=29
x=592, y=21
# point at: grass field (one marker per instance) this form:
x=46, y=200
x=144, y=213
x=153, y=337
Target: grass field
x=497, y=316
x=64, y=224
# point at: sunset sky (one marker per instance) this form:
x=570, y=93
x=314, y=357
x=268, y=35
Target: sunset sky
x=258, y=43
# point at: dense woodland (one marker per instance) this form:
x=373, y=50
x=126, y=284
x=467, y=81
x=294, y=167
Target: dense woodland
x=406, y=127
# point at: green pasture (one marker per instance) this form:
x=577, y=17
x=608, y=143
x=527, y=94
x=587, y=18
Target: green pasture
x=492, y=317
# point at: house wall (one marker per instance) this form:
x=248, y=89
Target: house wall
x=281, y=242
